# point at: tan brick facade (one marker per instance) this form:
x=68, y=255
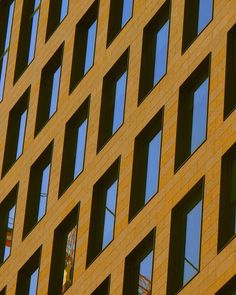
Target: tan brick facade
x=215, y=269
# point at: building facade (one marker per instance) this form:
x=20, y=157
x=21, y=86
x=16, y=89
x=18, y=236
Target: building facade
x=117, y=147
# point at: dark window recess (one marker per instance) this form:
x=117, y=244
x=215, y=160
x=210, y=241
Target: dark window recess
x=103, y=213
x=146, y=164
x=154, y=51
x=7, y=213
x=84, y=46
x=192, y=113
x=227, y=216
x=3, y=291
x=27, y=279
x=229, y=288
x=38, y=190
x=113, y=100
x=6, y=16
x=49, y=90
x=63, y=254
x=74, y=147
x=120, y=13
x=27, y=37
x=58, y=10
x=104, y=288
x=185, y=239
x=139, y=267
x=230, y=79
x=197, y=15
x=15, y=132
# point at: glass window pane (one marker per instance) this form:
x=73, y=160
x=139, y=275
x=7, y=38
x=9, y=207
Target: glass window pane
x=192, y=242
x=205, y=14
x=33, y=282
x=33, y=36
x=109, y=219
x=55, y=91
x=9, y=25
x=9, y=233
x=44, y=192
x=199, y=115
x=21, y=136
x=80, y=148
x=64, y=9
x=161, y=53
x=127, y=11
x=145, y=274
x=119, y=102
x=3, y=73
x=69, y=259
x=152, y=178
x=90, y=48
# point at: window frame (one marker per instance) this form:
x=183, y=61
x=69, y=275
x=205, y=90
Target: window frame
x=6, y=50
x=121, y=66
x=199, y=75
x=190, y=200
x=82, y=114
x=155, y=24
x=140, y=149
x=106, y=284
x=30, y=220
x=97, y=223
x=111, y=36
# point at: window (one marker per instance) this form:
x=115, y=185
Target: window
x=185, y=239
x=227, y=217
x=113, y=100
x=15, y=132
x=28, y=275
x=103, y=213
x=28, y=36
x=154, y=51
x=230, y=85
x=192, y=113
x=49, y=90
x=7, y=213
x=84, y=47
x=197, y=15
x=63, y=254
x=74, y=147
x=146, y=165
x=6, y=16
x=38, y=190
x=229, y=288
x=139, y=267
x=58, y=10
x=104, y=288
x=3, y=291
x=120, y=13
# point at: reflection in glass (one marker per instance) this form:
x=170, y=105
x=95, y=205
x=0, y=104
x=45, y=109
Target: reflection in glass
x=109, y=218
x=161, y=53
x=64, y=9
x=90, y=48
x=192, y=243
x=21, y=134
x=80, y=148
x=55, y=91
x=5, y=52
x=33, y=282
x=199, y=121
x=126, y=11
x=9, y=232
x=145, y=275
x=34, y=27
x=153, y=163
x=120, y=89
x=204, y=14
x=69, y=259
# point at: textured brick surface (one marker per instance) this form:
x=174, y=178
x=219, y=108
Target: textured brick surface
x=216, y=270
